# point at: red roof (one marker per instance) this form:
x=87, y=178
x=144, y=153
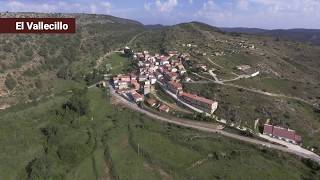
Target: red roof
x=125, y=78
x=164, y=58
x=284, y=133
x=281, y=132
x=198, y=98
x=297, y=138
x=136, y=96
x=176, y=85
x=151, y=102
x=171, y=74
x=163, y=108
x=268, y=129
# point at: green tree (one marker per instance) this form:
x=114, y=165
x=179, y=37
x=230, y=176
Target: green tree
x=10, y=82
x=78, y=102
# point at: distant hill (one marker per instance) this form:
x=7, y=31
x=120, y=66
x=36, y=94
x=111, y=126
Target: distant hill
x=154, y=26
x=303, y=35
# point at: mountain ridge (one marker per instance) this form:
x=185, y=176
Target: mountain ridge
x=298, y=34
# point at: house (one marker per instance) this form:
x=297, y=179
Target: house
x=122, y=85
x=146, y=89
x=142, y=78
x=164, y=108
x=125, y=78
x=153, y=79
x=133, y=76
x=151, y=102
x=206, y=105
x=285, y=134
x=136, y=97
x=164, y=60
x=170, y=76
x=174, y=87
x=174, y=70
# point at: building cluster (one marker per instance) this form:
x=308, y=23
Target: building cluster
x=288, y=135
x=166, y=69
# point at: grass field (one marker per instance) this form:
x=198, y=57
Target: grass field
x=132, y=146
x=243, y=107
x=284, y=86
x=118, y=62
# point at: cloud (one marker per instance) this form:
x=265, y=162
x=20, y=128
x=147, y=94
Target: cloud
x=212, y=12
x=243, y=4
x=23, y=7
x=147, y=6
x=100, y=7
x=166, y=6
x=190, y=1
x=261, y=13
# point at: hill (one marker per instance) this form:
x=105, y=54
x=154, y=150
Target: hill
x=69, y=131
x=30, y=64
x=286, y=91
x=302, y=35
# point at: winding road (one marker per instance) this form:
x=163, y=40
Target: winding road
x=211, y=128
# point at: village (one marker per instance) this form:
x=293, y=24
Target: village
x=168, y=72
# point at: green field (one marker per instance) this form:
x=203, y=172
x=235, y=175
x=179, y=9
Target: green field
x=119, y=63
x=244, y=107
x=287, y=87
x=127, y=145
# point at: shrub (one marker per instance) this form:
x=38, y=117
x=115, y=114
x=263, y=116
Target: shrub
x=78, y=102
x=10, y=82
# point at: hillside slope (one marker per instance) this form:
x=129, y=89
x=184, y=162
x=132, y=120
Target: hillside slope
x=287, y=69
x=30, y=63
x=73, y=132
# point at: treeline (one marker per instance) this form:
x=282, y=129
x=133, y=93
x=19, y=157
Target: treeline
x=68, y=139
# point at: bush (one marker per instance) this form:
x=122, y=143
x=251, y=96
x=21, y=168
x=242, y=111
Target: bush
x=78, y=102
x=10, y=82
x=311, y=164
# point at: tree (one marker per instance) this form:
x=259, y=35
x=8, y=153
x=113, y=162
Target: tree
x=10, y=82
x=78, y=102
x=64, y=73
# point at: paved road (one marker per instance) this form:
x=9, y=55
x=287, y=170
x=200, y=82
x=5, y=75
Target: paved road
x=206, y=127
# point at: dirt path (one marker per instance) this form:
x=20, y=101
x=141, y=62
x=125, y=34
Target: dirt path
x=134, y=38
x=100, y=60
x=251, y=90
x=212, y=62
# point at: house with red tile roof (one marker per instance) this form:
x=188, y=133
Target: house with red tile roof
x=125, y=78
x=174, y=87
x=151, y=102
x=170, y=76
x=164, y=108
x=136, y=97
x=285, y=134
x=204, y=104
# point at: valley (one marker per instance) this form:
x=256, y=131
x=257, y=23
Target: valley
x=58, y=122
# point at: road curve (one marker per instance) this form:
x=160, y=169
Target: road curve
x=207, y=128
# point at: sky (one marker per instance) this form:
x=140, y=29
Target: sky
x=267, y=14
